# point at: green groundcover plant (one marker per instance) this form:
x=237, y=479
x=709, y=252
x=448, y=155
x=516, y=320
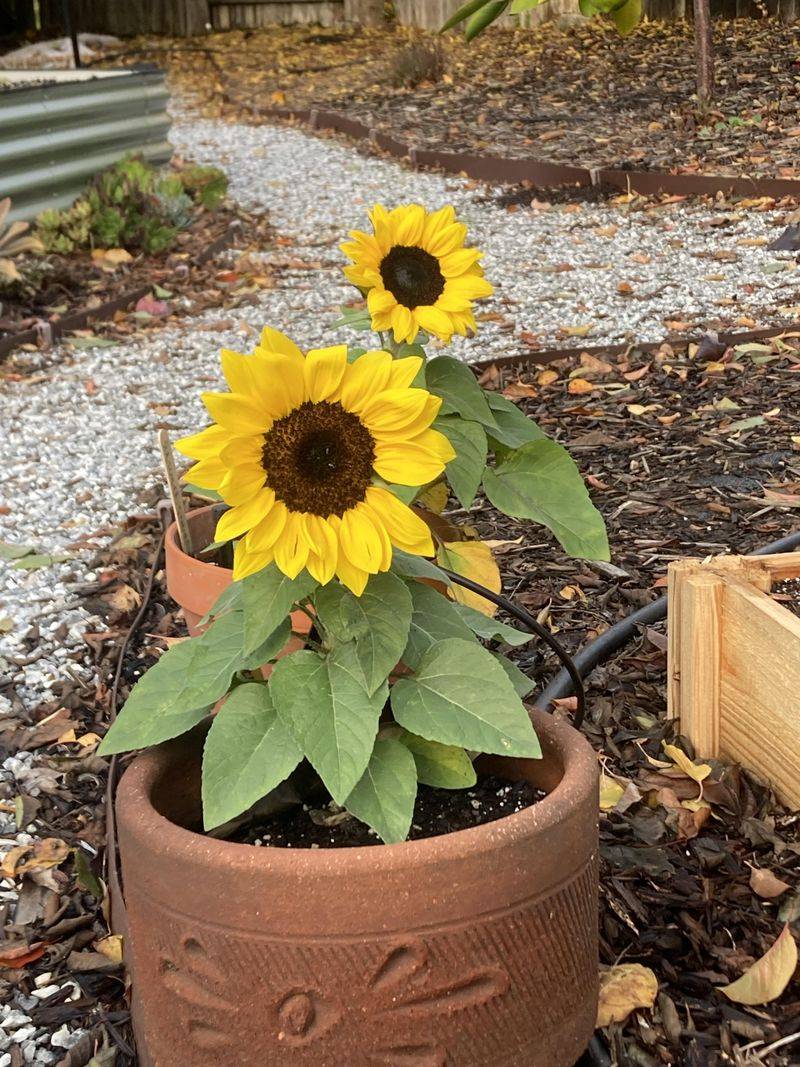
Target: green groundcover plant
x=335, y=466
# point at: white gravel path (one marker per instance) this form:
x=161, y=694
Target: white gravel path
x=77, y=431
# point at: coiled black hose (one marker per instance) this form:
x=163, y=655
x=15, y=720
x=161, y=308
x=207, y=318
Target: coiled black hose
x=618, y=635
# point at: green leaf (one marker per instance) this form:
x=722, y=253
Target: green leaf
x=455, y=383
x=435, y=618
x=12, y=551
x=411, y=566
x=354, y=319
x=267, y=598
x=384, y=796
x=197, y=490
x=460, y=695
x=481, y=19
x=512, y=427
x=464, y=473
x=322, y=700
x=518, y=6
x=443, y=766
x=275, y=643
x=230, y=599
x=463, y=13
x=91, y=342
x=491, y=629
x=37, y=561
x=523, y=685
x=540, y=481
x=179, y=690
x=627, y=17
x=248, y=752
x=377, y=621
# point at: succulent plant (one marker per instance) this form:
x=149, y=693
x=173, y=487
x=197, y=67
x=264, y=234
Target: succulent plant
x=14, y=239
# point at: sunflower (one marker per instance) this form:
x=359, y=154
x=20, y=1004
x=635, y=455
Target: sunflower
x=303, y=449
x=418, y=274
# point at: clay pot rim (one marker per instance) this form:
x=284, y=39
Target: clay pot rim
x=174, y=545
x=580, y=775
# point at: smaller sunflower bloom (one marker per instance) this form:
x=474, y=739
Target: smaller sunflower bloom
x=303, y=449
x=416, y=272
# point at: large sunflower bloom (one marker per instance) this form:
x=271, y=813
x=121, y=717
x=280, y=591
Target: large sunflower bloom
x=417, y=272
x=295, y=449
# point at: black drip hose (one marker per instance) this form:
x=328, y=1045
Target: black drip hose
x=533, y=626
x=618, y=635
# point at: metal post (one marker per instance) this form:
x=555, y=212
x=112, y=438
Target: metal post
x=71, y=31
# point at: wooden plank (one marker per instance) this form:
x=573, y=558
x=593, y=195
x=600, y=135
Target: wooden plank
x=782, y=566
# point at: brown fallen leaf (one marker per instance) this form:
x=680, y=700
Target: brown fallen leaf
x=595, y=365
x=768, y=976
x=766, y=884
x=622, y=989
x=515, y=389
x=15, y=956
x=578, y=386
x=38, y=856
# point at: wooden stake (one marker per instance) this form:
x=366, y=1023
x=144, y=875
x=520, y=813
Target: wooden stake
x=175, y=495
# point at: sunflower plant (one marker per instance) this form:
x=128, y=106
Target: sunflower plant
x=333, y=466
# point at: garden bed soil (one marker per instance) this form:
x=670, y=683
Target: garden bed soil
x=787, y=593
x=687, y=453
x=182, y=280
x=578, y=95
x=437, y=811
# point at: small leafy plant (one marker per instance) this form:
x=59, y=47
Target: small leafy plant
x=334, y=465
x=132, y=205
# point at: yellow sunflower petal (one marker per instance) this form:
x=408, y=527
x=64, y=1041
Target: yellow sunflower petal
x=380, y=300
x=208, y=473
x=237, y=413
x=241, y=484
x=404, y=527
x=321, y=568
x=435, y=442
x=409, y=224
x=275, y=341
x=435, y=321
x=324, y=368
x=435, y=223
x=410, y=430
x=458, y=262
x=404, y=371
x=282, y=379
x=386, y=544
x=363, y=378
x=470, y=286
x=246, y=562
x=291, y=548
x=353, y=577
x=404, y=324
x=262, y=537
x=448, y=239
x=393, y=409
x=406, y=463
x=241, y=450
x=360, y=541
x=244, y=517
x=205, y=444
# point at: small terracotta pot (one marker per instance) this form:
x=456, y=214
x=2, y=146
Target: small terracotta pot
x=195, y=585
x=473, y=949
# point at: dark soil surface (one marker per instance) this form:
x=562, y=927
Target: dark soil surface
x=437, y=811
x=179, y=283
x=788, y=594
x=579, y=95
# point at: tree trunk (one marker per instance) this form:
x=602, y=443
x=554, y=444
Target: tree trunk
x=704, y=44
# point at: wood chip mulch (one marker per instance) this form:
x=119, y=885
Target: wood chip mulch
x=687, y=452
x=578, y=95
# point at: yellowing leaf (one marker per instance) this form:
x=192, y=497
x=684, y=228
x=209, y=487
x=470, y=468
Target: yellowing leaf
x=547, y=377
x=29, y=859
x=434, y=497
x=622, y=989
x=697, y=771
x=111, y=946
x=610, y=792
x=769, y=976
x=578, y=386
x=474, y=560
x=577, y=331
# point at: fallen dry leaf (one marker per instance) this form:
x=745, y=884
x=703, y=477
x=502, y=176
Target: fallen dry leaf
x=611, y=792
x=622, y=989
x=697, y=771
x=579, y=385
x=768, y=976
x=766, y=884
x=38, y=856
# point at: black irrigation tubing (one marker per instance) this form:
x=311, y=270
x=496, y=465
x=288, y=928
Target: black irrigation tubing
x=602, y=648
x=532, y=625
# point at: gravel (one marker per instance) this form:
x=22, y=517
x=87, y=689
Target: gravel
x=78, y=428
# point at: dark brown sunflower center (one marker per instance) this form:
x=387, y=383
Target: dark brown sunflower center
x=319, y=459
x=412, y=276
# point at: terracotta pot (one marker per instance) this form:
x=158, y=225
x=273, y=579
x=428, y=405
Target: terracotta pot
x=195, y=585
x=473, y=949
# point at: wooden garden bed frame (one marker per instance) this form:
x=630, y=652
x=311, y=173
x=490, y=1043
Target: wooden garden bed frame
x=734, y=664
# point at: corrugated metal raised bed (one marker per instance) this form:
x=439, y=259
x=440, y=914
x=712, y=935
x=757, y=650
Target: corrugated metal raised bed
x=57, y=136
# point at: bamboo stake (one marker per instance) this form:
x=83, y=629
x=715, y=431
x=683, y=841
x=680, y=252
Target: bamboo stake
x=175, y=495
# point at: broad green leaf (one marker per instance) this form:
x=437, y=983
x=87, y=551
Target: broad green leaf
x=518, y=6
x=444, y=766
x=267, y=598
x=460, y=695
x=322, y=700
x=512, y=427
x=523, y=685
x=8, y=550
x=411, y=566
x=377, y=621
x=463, y=13
x=491, y=629
x=384, y=797
x=587, y=8
x=229, y=599
x=179, y=690
x=199, y=491
x=627, y=17
x=481, y=19
x=434, y=619
x=455, y=383
x=37, y=561
x=248, y=752
x=540, y=481
x=266, y=652
x=464, y=473
x=353, y=318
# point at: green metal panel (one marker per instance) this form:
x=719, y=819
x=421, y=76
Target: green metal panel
x=55, y=138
